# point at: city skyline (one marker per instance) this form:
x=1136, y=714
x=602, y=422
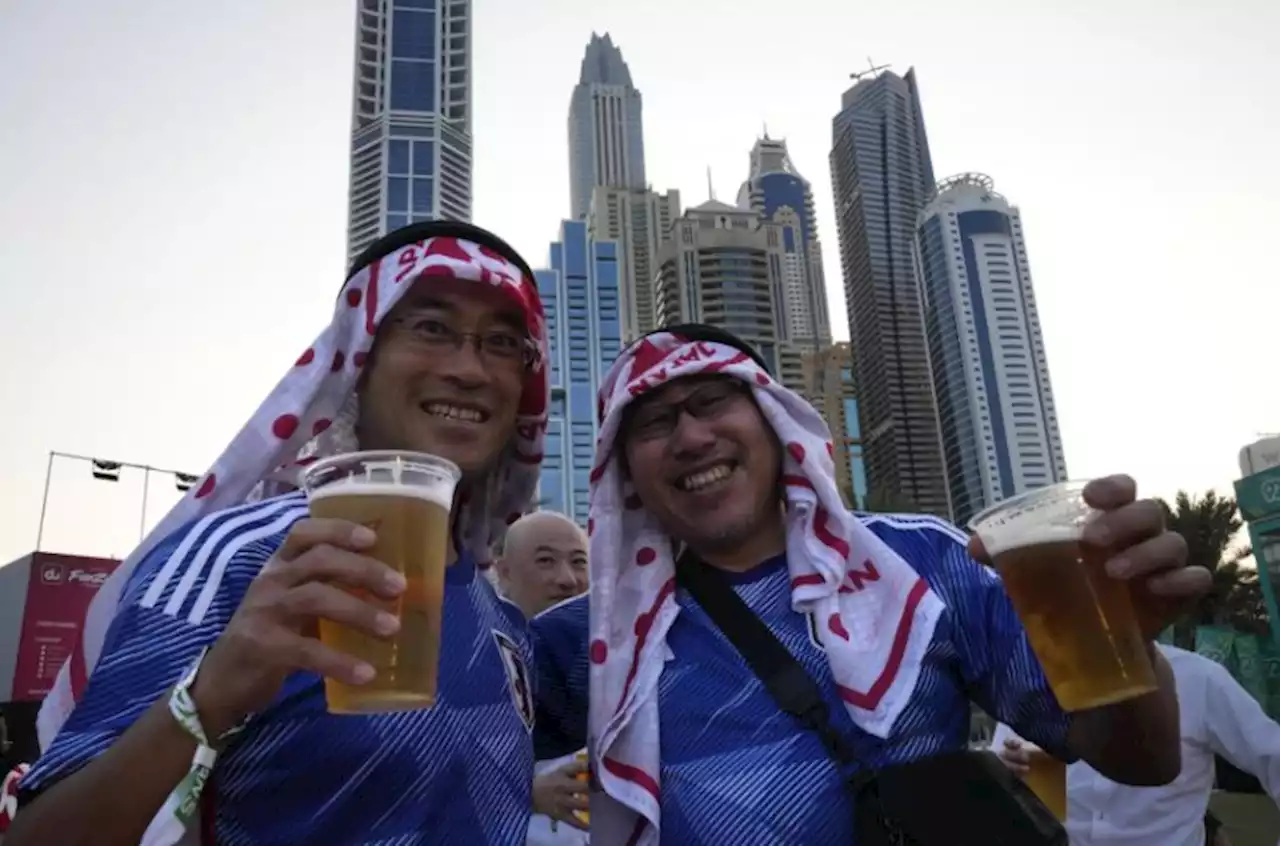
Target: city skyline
x=196, y=152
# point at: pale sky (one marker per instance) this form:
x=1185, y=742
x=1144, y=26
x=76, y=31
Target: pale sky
x=173, y=185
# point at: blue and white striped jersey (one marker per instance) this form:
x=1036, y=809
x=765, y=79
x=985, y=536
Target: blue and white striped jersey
x=458, y=773
x=735, y=769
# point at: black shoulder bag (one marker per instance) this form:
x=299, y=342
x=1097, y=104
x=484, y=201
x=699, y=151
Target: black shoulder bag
x=954, y=799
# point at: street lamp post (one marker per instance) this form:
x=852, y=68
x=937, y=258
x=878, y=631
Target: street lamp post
x=109, y=471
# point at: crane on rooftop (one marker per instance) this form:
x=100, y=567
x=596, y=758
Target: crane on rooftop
x=872, y=69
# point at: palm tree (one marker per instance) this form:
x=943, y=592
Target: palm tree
x=1208, y=523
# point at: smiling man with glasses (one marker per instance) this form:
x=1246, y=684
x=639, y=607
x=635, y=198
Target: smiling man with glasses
x=436, y=345
x=718, y=536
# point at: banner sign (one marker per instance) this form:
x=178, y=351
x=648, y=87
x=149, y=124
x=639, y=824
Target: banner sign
x=59, y=590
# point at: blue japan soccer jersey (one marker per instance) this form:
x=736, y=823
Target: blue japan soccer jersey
x=457, y=773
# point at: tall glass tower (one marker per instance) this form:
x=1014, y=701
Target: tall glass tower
x=990, y=376
x=584, y=333
x=882, y=176
x=606, y=133
x=780, y=195
x=411, y=116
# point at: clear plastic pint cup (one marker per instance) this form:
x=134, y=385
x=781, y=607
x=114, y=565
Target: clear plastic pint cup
x=1047, y=779
x=1080, y=621
x=405, y=498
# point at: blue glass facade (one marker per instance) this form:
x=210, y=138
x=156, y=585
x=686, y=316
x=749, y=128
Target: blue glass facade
x=411, y=139
x=853, y=445
x=787, y=189
x=580, y=294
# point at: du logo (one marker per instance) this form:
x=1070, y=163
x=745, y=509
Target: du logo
x=52, y=574
x=518, y=681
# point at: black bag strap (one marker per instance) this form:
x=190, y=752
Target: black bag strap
x=790, y=686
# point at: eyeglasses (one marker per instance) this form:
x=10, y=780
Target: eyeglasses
x=652, y=421
x=500, y=345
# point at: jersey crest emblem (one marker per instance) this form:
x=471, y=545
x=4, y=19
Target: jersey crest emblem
x=518, y=681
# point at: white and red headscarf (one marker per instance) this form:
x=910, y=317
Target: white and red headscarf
x=877, y=615
x=311, y=414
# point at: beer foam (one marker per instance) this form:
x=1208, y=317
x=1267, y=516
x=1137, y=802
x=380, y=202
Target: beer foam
x=1051, y=515
x=438, y=492
x=1002, y=539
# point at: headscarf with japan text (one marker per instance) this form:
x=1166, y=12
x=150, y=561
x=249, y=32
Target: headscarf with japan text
x=877, y=615
x=311, y=414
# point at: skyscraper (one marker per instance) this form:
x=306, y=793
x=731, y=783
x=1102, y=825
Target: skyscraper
x=580, y=295
x=781, y=196
x=640, y=221
x=829, y=385
x=995, y=405
x=882, y=177
x=606, y=134
x=723, y=265
x=411, y=118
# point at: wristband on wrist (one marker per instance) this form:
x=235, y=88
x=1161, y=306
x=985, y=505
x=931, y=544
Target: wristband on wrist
x=185, y=798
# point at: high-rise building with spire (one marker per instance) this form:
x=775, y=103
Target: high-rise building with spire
x=411, y=116
x=882, y=176
x=606, y=134
x=780, y=195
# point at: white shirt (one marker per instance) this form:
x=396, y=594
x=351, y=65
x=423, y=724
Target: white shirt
x=540, y=831
x=1217, y=716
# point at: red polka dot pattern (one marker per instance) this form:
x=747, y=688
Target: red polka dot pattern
x=599, y=652
x=762, y=380
x=837, y=627
x=338, y=360
x=797, y=452
x=646, y=555
x=206, y=487
x=284, y=426
x=353, y=297
x=308, y=356
x=359, y=359
x=320, y=425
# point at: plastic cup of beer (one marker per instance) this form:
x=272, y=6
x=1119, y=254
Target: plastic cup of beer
x=585, y=778
x=405, y=497
x=1047, y=779
x=1080, y=621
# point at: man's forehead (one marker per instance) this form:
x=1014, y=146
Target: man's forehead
x=480, y=300
x=546, y=528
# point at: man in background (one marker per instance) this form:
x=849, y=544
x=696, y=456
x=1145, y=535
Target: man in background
x=544, y=562
x=1217, y=716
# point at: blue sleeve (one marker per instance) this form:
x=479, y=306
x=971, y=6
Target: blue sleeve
x=560, y=638
x=1003, y=675
x=178, y=601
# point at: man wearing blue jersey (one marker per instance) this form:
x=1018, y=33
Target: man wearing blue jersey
x=437, y=344
x=900, y=627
